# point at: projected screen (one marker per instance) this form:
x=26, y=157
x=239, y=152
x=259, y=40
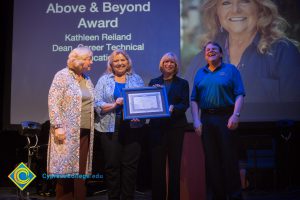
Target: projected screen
x=45, y=31
x=271, y=75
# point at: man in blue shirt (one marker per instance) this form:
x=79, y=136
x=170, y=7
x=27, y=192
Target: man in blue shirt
x=217, y=96
x=271, y=80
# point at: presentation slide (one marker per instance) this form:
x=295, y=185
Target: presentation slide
x=261, y=38
x=44, y=32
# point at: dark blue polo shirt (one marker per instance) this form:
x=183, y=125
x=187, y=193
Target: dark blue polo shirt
x=218, y=88
x=270, y=77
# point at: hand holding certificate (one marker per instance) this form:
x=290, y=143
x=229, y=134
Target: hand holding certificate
x=146, y=102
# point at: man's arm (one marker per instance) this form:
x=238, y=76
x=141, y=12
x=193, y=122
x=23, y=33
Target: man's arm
x=233, y=121
x=196, y=117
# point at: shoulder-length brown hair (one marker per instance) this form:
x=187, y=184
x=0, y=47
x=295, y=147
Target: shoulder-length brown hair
x=111, y=57
x=270, y=24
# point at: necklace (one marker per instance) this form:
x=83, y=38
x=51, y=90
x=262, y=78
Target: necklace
x=120, y=79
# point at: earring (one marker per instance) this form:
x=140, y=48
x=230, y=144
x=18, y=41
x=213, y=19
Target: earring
x=221, y=29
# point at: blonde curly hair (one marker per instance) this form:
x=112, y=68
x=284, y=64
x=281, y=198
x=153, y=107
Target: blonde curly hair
x=270, y=24
x=77, y=56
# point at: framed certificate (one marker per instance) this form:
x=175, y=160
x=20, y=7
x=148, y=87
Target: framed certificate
x=146, y=102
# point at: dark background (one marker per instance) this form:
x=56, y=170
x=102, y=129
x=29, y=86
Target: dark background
x=12, y=144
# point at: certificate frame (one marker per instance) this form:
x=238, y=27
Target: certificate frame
x=145, y=102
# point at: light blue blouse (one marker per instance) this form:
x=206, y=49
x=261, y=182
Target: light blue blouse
x=104, y=93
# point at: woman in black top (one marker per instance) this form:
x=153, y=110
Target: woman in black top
x=167, y=133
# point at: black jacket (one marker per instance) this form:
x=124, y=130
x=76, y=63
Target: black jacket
x=178, y=96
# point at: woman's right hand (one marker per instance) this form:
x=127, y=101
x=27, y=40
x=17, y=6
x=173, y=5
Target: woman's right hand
x=60, y=135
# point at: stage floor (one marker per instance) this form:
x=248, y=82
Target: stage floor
x=10, y=193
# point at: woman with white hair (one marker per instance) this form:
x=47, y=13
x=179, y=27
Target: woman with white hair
x=71, y=112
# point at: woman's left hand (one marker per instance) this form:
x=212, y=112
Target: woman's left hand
x=135, y=120
x=135, y=123
x=119, y=101
x=60, y=135
x=171, y=108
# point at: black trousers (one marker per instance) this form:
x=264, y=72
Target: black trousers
x=221, y=158
x=121, y=151
x=166, y=145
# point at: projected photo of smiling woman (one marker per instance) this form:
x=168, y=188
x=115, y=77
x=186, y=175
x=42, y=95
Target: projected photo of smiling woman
x=252, y=35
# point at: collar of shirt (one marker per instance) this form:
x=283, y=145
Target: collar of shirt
x=217, y=69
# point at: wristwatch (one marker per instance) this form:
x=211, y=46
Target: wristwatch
x=237, y=114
